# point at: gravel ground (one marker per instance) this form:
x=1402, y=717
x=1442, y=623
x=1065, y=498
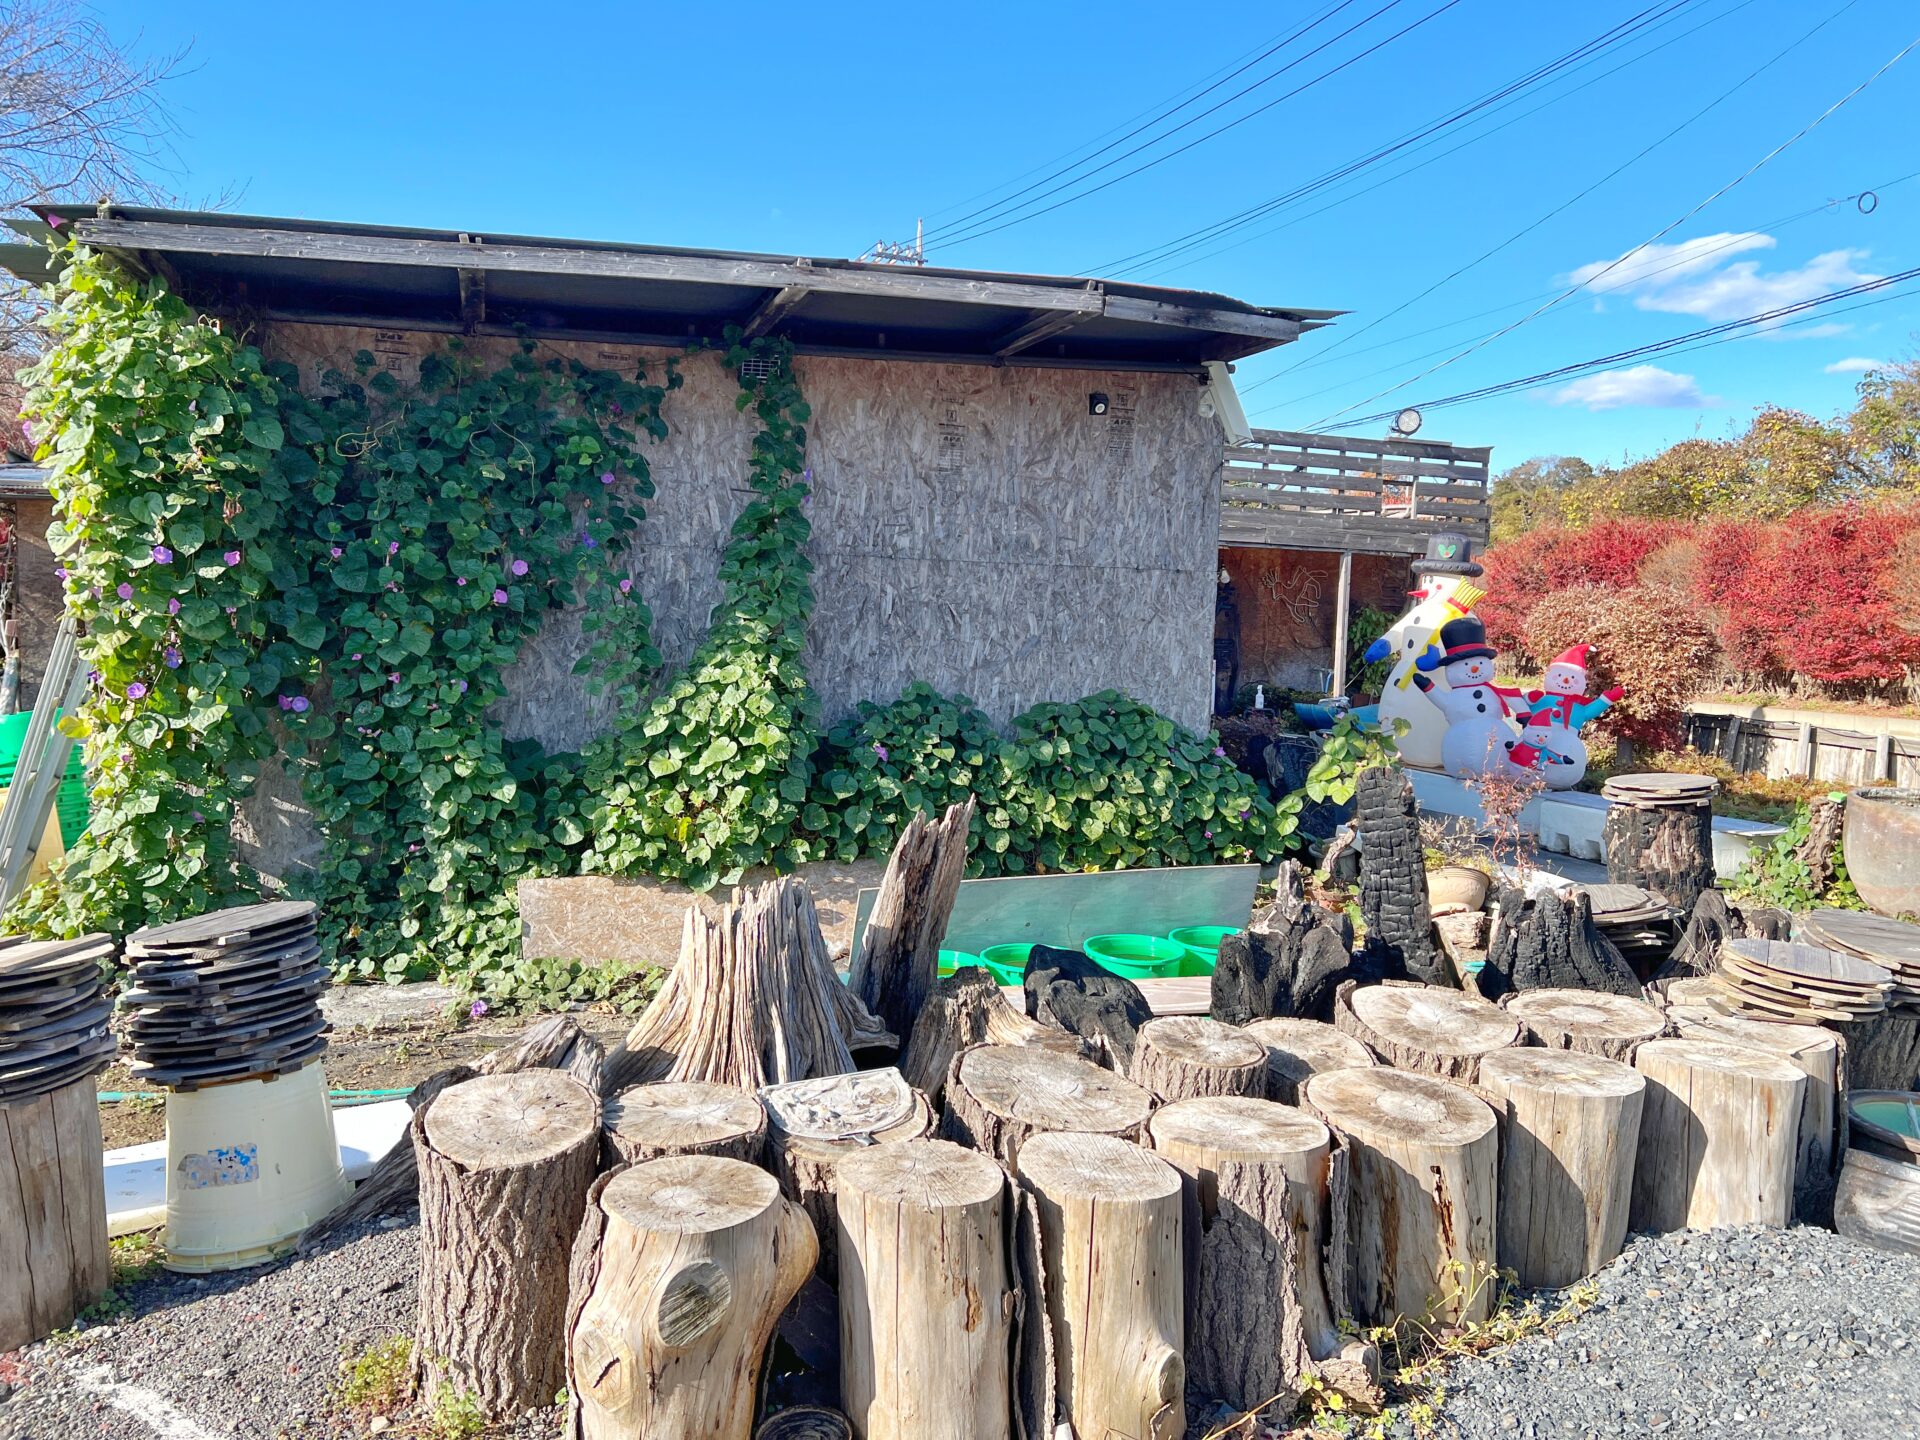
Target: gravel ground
x=1756, y=1333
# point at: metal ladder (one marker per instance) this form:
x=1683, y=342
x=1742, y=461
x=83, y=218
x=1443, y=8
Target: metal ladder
x=44, y=754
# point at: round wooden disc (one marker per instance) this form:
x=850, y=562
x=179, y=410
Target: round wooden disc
x=1067, y=1165
x=1814, y=964
x=1561, y=1072
x=683, y=1115
x=931, y=1174
x=1788, y=1039
x=498, y=1121
x=1201, y=1041
x=1051, y=1090
x=1875, y=936
x=1297, y=1049
x=1393, y=1106
x=1439, y=1021
x=688, y=1194
x=1588, y=1014
x=1233, y=1127
x=1716, y=1055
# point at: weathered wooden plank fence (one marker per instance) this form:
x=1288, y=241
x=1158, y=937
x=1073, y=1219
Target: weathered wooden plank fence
x=1825, y=745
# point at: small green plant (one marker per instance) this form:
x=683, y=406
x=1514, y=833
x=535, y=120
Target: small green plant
x=1366, y=626
x=379, y=1379
x=454, y=1414
x=134, y=1258
x=551, y=983
x=1776, y=874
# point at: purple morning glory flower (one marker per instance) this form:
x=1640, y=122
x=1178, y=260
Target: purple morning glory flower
x=56, y=221
x=588, y=540
x=61, y=571
x=26, y=428
x=231, y=610
x=136, y=691
x=499, y=597
x=606, y=477
x=93, y=677
x=1207, y=833
x=393, y=547
x=463, y=686
x=283, y=702
x=519, y=567
x=626, y=587
x=393, y=584
x=461, y=581
x=880, y=750
x=173, y=607
x=334, y=551
x=198, y=817
x=172, y=657
x=162, y=555
x=232, y=557
x=1245, y=813
x=1218, y=753
x=615, y=407
x=123, y=590
x=394, y=677
x=300, y=705
x=477, y=1009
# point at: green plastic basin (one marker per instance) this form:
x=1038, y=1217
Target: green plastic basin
x=1202, y=944
x=1007, y=962
x=952, y=960
x=1138, y=957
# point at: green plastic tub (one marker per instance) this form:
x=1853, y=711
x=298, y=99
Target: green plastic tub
x=1202, y=943
x=1007, y=962
x=1138, y=957
x=952, y=960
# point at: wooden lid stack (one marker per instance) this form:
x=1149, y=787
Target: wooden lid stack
x=1653, y=792
x=53, y=1014
x=1785, y=980
x=1894, y=945
x=1637, y=921
x=233, y=995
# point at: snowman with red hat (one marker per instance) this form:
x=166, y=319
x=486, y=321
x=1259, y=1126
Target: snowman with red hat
x=1480, y=734
x=1560, y=709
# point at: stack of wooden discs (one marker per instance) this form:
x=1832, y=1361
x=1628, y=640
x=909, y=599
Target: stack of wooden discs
x=1638, y=922
x=54, y=1014
x=1785, y=980
x=1892, y=944
x=1657, y=791
x=227, y=996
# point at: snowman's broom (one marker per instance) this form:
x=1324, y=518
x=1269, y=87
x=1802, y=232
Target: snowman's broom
x=1460, y=602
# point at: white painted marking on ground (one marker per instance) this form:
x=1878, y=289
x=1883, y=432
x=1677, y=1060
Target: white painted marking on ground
x=160, y=1415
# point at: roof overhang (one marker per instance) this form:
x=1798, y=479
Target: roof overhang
x=442, y=280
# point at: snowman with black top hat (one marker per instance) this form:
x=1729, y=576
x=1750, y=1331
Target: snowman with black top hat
x=1481, y=733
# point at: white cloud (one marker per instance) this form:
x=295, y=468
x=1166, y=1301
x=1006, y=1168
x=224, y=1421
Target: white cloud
x=1700, y=277
x=1646, y=386
x=1854, y=365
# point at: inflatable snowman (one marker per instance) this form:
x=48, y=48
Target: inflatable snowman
x=1480, y=734
x=1442, y=592
x=1559, y=710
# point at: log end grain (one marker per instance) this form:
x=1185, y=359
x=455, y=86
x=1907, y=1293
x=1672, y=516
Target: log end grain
x=691, y=1117
x=505, y=1122
x=1048, y=1090
x=1558, y=1072
x=1231, y=1128
x=1591, y=1020
x=1179, y=1056
x=1397, y=1107
x=689, y=1195
x=1297, y=1050
x=928, y=1174
x=1081, y=1167
x=1425, y=1027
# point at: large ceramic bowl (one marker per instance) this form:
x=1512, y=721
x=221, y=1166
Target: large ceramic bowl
x=1881, y=843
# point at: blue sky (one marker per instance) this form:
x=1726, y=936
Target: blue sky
x=761, y=127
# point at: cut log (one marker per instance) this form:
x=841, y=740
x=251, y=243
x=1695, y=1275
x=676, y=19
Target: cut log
x=1424, y=1028
x=805, y=1422
x=1393, y=878
x=1547, y=942
x=752, y=1001
x=505, y=1164
x=1259, y=1323
x=926, y=1306
x=1718, y=1137
x=1570, y=1132
x=685, y=1117
x=1815, y=1051
x=53, y=1212
x=1110, y=1227
x=1288, y=960
x=1422, y=1208
x=1068, y=989
x=967, y=1009
x=1665, y=848
x=1297, y=1050
x=815, y=1124
x=898, y=962
x=679, y=1277
x=1179, y=1057
x=1590, y=1021
x=1000, y=1095
x=1883, y=1051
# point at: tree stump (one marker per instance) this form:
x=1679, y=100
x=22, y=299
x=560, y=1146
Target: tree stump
x=1393, y=877
x=1297, y=1050
x=679, y=1277
x=815, y=1124
x=898, y=962
x=1178, y=1057
x=1287, y=961
x=926, y=1308
x=1590, y=1021
x=1718, y=1137
x=1068, y=989
x=53, y=1212
x=1424, y=1028
x=1666, y=848
x=968, y=1009
x=683, y=1117
x=505, y=1162
x=805, y=1422
x=1570, y=1132
x=1815, y=1051
x=1883, y=1051
x=1000, y=1095
x=1110, y=1228
x=1546, y=942
x=1422, y=1194
x=1259, y=1321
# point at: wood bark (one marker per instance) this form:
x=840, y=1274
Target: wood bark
x=1111, y=1235
x=1826, y=820
x=926, y=1304
x=1068, y=989
x=898, y=962
x=999, y=1096
x=815, y=1124
x=505, y=1163
x=1179, y=1057
x=1422, y=1205
x=1259, y=1321
x=1288, y=961
x=967, y=1009
x=679, y=1276
x=1819, y=1148
x=1393, y=878
x=1718, y=1136
x=687, y=1117
x=1425, y=1028
x=752, y=1001
x=1883, y=1051
x=805, y=1422
x=1590, y=1021
x=1545, y=942
x=1715, y=921
x=53, y=1212
x=1667, y=849
x=1570, y=1132
x=1297, y=1050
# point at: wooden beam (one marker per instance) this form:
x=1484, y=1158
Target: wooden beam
x=1343, y=597
x=1043, y=325
x=473, y=299
x=1193, y=317
x=772, y=310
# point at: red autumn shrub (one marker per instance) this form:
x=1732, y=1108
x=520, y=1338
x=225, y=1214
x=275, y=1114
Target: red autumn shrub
x=1730, y=555
x=1661, y=653
x=1821, y=579
x=1522, y=572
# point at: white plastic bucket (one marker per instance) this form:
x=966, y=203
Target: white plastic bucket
x=250, y=1165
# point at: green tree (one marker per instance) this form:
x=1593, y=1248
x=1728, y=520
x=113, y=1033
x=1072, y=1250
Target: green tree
x=1883, y=433
x=1531, y=495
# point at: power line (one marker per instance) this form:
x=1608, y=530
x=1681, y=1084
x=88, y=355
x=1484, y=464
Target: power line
x=1657, y=236
x=1012, y=220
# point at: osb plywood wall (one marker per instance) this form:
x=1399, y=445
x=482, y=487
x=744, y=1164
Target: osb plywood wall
x=973, y=527
x=1286, y=601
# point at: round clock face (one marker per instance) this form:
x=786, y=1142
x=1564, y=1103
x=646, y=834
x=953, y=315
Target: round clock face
x=1406, y=422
